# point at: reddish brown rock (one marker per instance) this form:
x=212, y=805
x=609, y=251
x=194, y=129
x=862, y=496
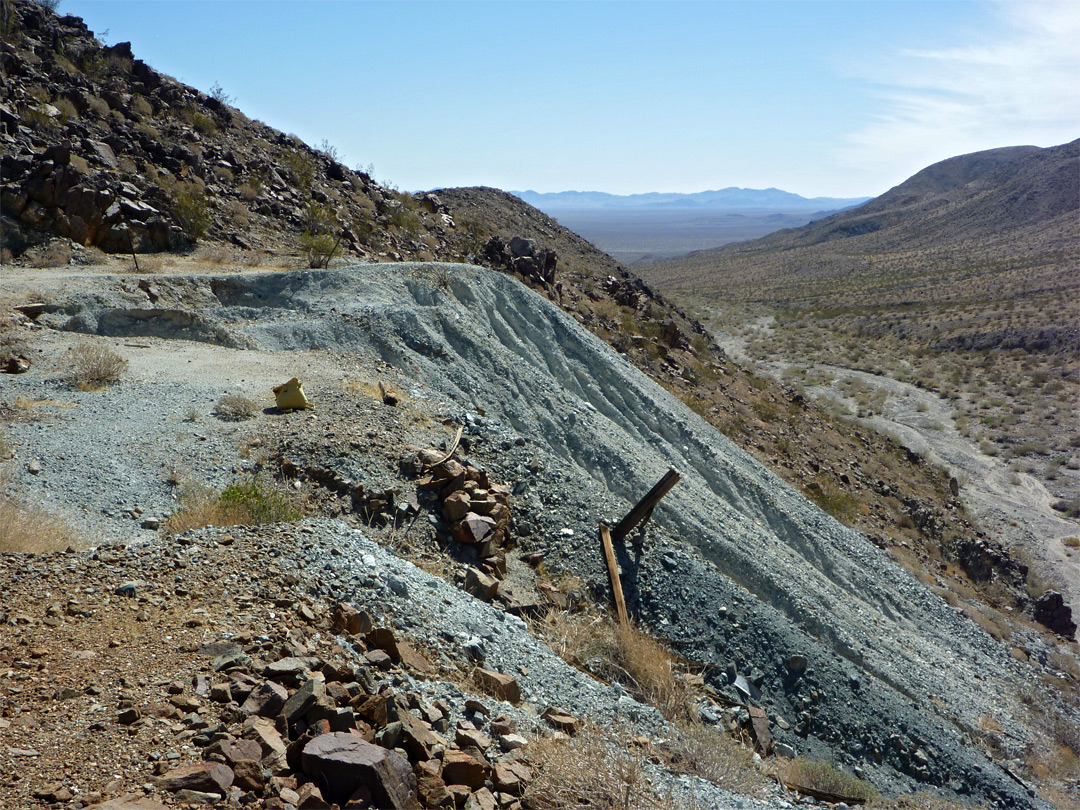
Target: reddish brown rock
x=504, y=687
x=473, y=529
x=511, y=777
x=562, y=720
x=482, y=800
x=480, y=584
x=203, y=777
x=416, y=738
x=384, y=639
x=347, y=619
x=248, y=775
x=129, y=801
x=431, y=788
x=456, y=506
x=266, y=735
x=343, y=763
x=466, y=736
x=414, y=659
x=310, y=798
x=460, y=768
x=237, y=750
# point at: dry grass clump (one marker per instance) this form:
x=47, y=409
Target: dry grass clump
x=437, y=275
x=27, y=528
x=922, y=801
x=628, y=656
x=246, y=503
x=821, y=777
x=704, y=751
x=235, y=408
x=93, y=366
x=588, y=771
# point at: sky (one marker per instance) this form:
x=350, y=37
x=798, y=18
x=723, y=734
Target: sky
x=839, y=98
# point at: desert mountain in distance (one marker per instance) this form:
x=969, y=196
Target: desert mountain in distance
x=731, y=198
x=649, y=227
x=1013, y=199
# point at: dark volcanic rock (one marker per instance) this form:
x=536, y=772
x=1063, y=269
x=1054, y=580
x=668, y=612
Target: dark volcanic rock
x=343, y=763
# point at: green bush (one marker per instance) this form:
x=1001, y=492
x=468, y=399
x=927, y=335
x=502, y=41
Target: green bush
x=258, y=501
x=317, y=247
x=192, y=212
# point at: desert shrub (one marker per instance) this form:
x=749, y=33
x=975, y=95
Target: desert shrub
x=300, y=166
x=149, y=131
x=823, y=777
x=37, y=118
x=317, y=247
x=437, y=275
x=238, y=213
x=704, y=751
x=249, y=191
x=235, y=408
x=98, y=105
x=627, y=655
x=141, y=106
x=405, y=215
x=245, y=503
x=66, y=108
x=203, y=123
x=27, y=527
x=92, y=366
x=832, y=499
x=588, y=771
x=217, y=92
x=191, y=211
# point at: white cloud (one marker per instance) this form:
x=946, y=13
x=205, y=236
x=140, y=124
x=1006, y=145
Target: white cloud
x=1021, y=88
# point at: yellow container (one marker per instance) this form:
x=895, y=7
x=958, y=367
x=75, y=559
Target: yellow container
x=290, y=396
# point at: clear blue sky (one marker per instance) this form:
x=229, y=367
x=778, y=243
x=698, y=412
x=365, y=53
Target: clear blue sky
x=813, y=96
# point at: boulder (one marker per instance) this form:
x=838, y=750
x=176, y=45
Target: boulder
x=504, y=687
x=203, y=777
x=461, y=768
x=343, y=763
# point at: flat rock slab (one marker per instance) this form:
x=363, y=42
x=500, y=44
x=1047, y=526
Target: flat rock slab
x=203, y=777
x=344, y=763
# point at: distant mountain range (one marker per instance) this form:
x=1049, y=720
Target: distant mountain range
x=725, y=199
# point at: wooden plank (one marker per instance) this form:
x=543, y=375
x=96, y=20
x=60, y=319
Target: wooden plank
x=613, y=573
x=643, y=510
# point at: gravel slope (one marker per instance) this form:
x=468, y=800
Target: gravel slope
x=598, y=434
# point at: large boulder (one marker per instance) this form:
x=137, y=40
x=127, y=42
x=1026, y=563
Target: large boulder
x=343, y=763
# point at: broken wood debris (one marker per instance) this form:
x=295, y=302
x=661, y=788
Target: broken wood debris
x=613, y=573
x=643, y=511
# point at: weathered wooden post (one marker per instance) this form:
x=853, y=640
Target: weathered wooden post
x=643, y=511
x=613, y=574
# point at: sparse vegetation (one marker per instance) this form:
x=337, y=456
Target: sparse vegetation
x=92, y=366
x=27, y=527
x=589, y=771
x=823, y=777
x=629, y=656
x=245, y=503
x=235, y=408
x=191, y=210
